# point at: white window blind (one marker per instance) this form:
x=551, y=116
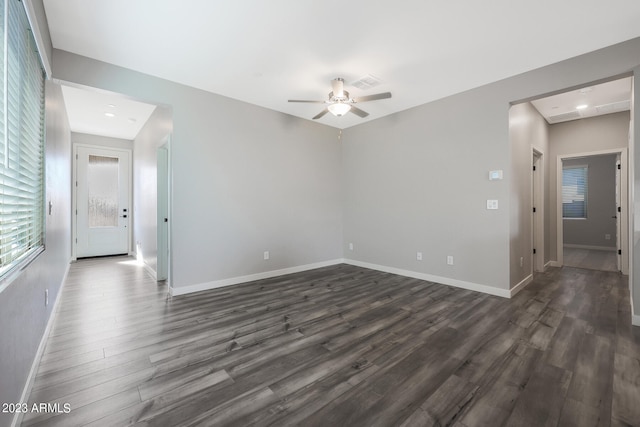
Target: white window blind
x=21, y=140
x=574, y=191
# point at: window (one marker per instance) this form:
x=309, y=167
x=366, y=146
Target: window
x=21, y=140
x=574, y=192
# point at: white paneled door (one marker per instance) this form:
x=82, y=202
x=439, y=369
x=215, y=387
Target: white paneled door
x=103, y=187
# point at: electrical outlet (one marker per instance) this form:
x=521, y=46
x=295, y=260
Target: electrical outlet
x=266, y=255
x=419, y=256
x=492, y=204
x=450, y=259
x=607, y=237
x=350, y=246
x=46, y=297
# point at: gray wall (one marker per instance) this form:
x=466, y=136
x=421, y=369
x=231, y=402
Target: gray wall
x=145, y=192
x=601, y=205
x=606, y=132
x=418, y=179
x=527, y=130
x=23, y=314
x=245, y=179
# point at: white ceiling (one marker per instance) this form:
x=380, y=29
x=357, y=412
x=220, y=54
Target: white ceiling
x=589, y=101
x=104, y=114
x=265, y=52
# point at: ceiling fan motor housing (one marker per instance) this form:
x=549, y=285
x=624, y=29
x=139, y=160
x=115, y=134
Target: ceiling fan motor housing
x=335, y=98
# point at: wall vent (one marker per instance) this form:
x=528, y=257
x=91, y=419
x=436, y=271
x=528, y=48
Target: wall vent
x=571, y=115
x=613, y=107
x=366, y=82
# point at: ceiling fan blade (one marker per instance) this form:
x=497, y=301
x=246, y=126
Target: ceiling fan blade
x=305, y=100
x=321, y=113
x=358, y=112
x=383, y=95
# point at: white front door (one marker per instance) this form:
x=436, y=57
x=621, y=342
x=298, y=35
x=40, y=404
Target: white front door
x=103, y=181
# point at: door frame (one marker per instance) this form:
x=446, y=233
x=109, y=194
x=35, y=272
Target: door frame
x=74, y=195
x=164, y=187
x=537, y=218
x=623, y=244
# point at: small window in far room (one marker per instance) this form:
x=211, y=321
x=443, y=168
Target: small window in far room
x=574, y=192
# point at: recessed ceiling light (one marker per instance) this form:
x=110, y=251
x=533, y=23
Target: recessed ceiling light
x=581, y=107
x=109, y=114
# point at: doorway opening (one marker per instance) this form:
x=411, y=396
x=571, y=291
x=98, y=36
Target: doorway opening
x=591, y=220
x=116, y=140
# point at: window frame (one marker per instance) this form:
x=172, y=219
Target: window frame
x=24, y=134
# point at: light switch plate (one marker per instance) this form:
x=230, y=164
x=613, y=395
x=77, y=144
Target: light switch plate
x=494, y=175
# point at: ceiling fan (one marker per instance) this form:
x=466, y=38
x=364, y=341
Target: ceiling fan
x=339, y=102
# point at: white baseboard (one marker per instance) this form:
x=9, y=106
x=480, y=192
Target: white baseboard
x=182, y=290
x=554, y=264
x=595, y=248
x=549, y=264
x=17, y=418
x=431, y=278
x=520, y=286
x=150, y=271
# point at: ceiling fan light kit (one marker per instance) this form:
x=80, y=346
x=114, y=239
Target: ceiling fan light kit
x=339, y=102
x=339, y=109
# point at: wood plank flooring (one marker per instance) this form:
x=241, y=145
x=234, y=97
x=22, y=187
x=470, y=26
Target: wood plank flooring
x=339, y=346
x=591, y=259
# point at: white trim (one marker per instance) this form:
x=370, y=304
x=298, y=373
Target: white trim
x=537, y=201
x=17, y=418
x=555, y=264
x=182, y=290
x=37, y=36
x=150, y=271
x=431, y=278
x=635, y=319
x=550, y=264
x=590, y=247
x=520, y=286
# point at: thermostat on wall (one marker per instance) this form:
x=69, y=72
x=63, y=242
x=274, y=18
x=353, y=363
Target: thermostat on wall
x=493, y=175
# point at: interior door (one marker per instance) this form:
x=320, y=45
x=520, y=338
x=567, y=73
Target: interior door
x=162, y=268
x=103, y=181
x=618, y=213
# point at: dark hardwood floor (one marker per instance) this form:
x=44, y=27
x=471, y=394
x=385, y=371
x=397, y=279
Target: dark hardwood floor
x=339, y=346
x=591, y=259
